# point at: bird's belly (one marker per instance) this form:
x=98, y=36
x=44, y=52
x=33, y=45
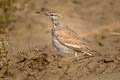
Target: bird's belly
x=61, y=47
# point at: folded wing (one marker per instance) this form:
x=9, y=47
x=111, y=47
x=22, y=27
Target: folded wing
x=70, y=39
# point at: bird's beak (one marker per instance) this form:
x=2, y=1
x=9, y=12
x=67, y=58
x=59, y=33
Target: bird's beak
x=43, y=13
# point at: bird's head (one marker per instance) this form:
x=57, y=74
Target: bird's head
x=56, y=19
x=51, y=15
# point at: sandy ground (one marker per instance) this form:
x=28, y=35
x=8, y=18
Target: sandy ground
x=30, y=53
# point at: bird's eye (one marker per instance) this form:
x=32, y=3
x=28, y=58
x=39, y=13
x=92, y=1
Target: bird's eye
x=52, y=14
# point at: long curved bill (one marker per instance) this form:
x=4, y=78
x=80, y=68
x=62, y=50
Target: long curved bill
x=43, y=13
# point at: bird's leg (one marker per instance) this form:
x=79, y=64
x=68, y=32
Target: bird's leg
x=76, y=54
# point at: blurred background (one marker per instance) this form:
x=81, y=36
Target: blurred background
x=5, y=12
x=30, y=29
x=97, y=22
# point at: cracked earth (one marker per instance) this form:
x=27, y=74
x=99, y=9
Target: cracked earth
x=30, y=53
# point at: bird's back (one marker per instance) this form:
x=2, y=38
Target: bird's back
x=70, y=39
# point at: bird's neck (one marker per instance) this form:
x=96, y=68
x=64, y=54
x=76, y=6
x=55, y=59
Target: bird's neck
x=57, y=23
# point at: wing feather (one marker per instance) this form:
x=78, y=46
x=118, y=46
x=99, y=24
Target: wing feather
x=70, y=39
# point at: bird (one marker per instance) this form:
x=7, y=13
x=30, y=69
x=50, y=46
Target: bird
x=63, y=38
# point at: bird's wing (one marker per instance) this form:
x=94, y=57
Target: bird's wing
x=70, y=39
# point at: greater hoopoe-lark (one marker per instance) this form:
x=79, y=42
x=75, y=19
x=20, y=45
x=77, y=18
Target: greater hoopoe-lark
x=63, y=38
